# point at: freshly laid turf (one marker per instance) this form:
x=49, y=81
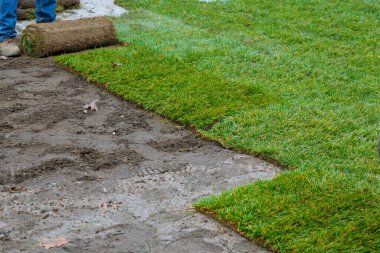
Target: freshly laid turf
x=295, y=81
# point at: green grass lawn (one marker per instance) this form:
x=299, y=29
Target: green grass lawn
x=295, y=81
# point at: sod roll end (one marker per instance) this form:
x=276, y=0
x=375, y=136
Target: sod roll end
x=41, y=40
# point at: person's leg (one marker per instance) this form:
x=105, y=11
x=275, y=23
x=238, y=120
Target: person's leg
x=8, y=17
x=45, y=11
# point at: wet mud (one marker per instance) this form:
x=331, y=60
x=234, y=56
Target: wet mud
x=117, y=180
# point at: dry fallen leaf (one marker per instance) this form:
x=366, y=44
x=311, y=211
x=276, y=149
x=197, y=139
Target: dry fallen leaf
x=49, y=243
x=91, y=106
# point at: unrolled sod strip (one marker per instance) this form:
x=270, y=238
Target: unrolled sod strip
x=67, y=4
x=40, y=40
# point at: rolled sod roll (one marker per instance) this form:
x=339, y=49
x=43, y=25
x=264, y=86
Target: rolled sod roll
x=41, y=40
x=67, y=4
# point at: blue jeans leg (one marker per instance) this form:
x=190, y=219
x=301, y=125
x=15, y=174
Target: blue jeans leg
x=45, y=11
x=8, y=17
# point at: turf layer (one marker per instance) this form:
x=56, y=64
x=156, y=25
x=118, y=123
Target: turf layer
x=294, y=81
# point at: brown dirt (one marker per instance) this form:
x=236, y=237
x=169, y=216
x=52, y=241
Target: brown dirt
x=59, y=164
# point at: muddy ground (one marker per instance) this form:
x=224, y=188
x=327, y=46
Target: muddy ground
x=117, y=180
